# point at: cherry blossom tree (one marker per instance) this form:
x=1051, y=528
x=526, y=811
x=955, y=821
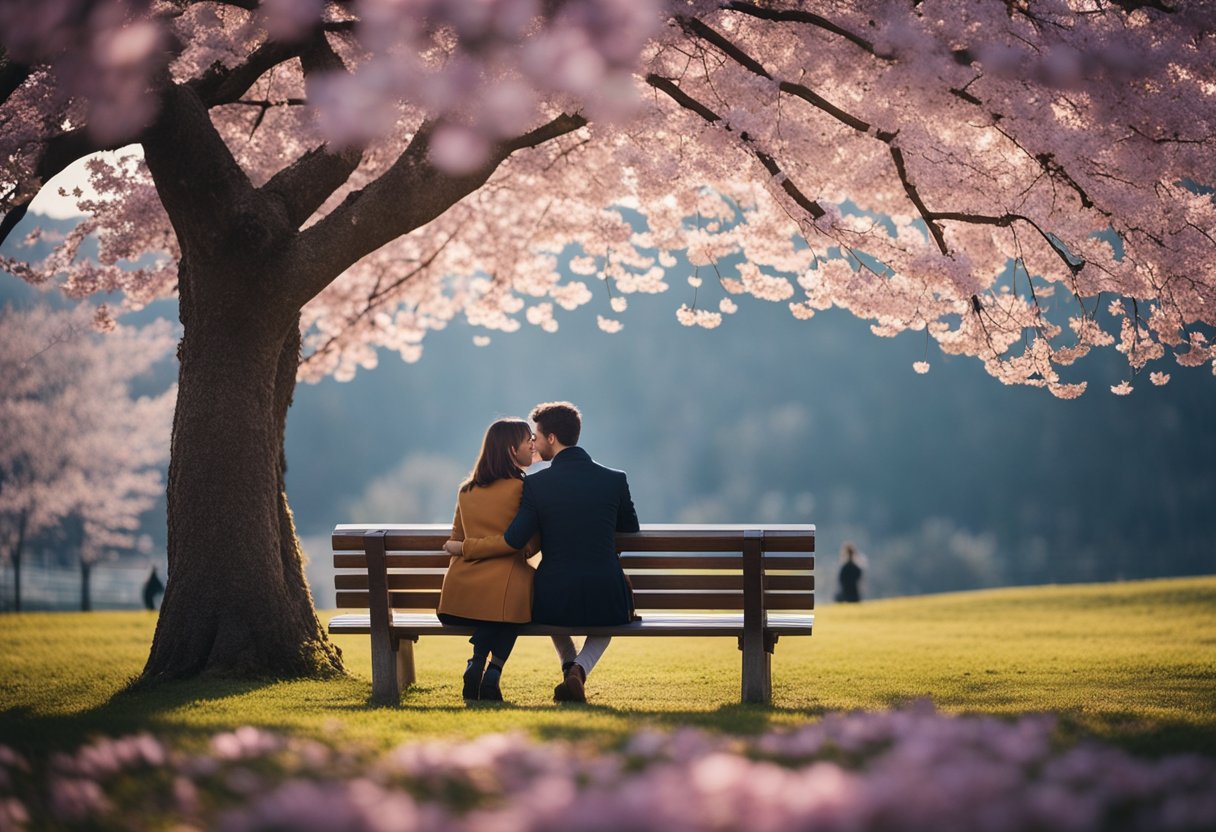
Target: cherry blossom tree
x=75, y=447
x=318, y=180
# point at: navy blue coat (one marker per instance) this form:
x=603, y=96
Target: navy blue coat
x=578, y=506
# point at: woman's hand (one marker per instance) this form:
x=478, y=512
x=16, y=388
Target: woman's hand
x=454, y=547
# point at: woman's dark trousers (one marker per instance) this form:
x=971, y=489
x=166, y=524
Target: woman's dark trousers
x=489, y=637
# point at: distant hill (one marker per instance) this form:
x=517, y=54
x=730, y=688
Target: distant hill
x=948, y=480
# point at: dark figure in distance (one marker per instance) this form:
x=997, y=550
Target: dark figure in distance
x=849, y=578
x=152, y=588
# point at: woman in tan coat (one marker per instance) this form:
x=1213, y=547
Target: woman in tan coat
x=494, y=592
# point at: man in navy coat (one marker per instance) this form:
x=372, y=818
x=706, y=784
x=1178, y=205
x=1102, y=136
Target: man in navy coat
x=578, y=506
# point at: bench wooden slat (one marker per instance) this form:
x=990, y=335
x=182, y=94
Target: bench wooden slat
x=654, y=538
x=789, y=601
x=440, y=560
x=399, y=599
x=650, y=580
x=407, y=624
x=434, y=580
x=733, y=561
x=395, y=560
x=412, y=580
x=645, y=600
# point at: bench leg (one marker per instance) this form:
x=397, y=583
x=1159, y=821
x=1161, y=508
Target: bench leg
x=757, y=670
x=405, y=664
x=757, y=679
x=392, y=670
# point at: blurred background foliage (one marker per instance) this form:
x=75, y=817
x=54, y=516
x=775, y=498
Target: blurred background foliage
x=945, y=481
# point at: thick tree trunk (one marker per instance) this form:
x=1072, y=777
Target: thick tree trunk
x=291, y=554
x=236, y=601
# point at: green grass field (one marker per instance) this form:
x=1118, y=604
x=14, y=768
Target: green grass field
x=1134, y=663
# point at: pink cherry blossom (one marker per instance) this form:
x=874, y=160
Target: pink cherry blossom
x=943, y=169
x=73, y=442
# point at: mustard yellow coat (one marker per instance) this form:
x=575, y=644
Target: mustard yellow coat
x=497, y=586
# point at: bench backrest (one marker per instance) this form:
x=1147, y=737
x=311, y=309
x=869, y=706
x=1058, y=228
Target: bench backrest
x=754, y=568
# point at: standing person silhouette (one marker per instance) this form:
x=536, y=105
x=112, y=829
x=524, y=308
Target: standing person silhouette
x=849, y=578
x=152, y=588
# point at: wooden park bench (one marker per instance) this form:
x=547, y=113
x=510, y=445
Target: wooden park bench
x=749, y=582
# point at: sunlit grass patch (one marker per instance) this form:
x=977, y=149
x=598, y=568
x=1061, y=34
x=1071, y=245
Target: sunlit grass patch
x=1134, y=662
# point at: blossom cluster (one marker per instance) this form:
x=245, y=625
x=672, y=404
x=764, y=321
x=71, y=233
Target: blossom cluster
x=907, y=769
x=74, y=441
x=992, y=177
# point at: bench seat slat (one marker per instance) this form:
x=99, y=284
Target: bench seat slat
x=653, y=624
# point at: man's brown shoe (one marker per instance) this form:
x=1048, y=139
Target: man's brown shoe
x=571, y=688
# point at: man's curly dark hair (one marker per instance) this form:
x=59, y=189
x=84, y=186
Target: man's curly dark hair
x=562, y=419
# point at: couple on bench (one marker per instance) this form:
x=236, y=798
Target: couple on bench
x=573, y=510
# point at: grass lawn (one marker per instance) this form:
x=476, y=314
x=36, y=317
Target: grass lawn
x=1132, y=662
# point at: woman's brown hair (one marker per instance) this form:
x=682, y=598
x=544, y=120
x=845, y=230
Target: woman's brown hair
x=495, y=462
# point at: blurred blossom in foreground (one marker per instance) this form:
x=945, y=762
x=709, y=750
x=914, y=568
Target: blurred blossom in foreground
x=909, y=769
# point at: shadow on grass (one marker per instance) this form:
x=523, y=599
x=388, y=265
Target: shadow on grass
x=1129, y=730
x=125, y=712
x=727, y=719
x=167, y=709
x=730, y=718
x=1140, y=736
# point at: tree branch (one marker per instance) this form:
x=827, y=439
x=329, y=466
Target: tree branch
x=225, y=85
x=559, y=126
x=939, y=237
x=59, y=152
x=202, y=187
x=304, y=186
x=379, y=296
x=216, y=86
x=408, y=195
x=699, y=29
x=12, y=76
x=1006, y=221
x=702, y=30
x=669, y=87
x=799, y=16
x=1130, y=6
